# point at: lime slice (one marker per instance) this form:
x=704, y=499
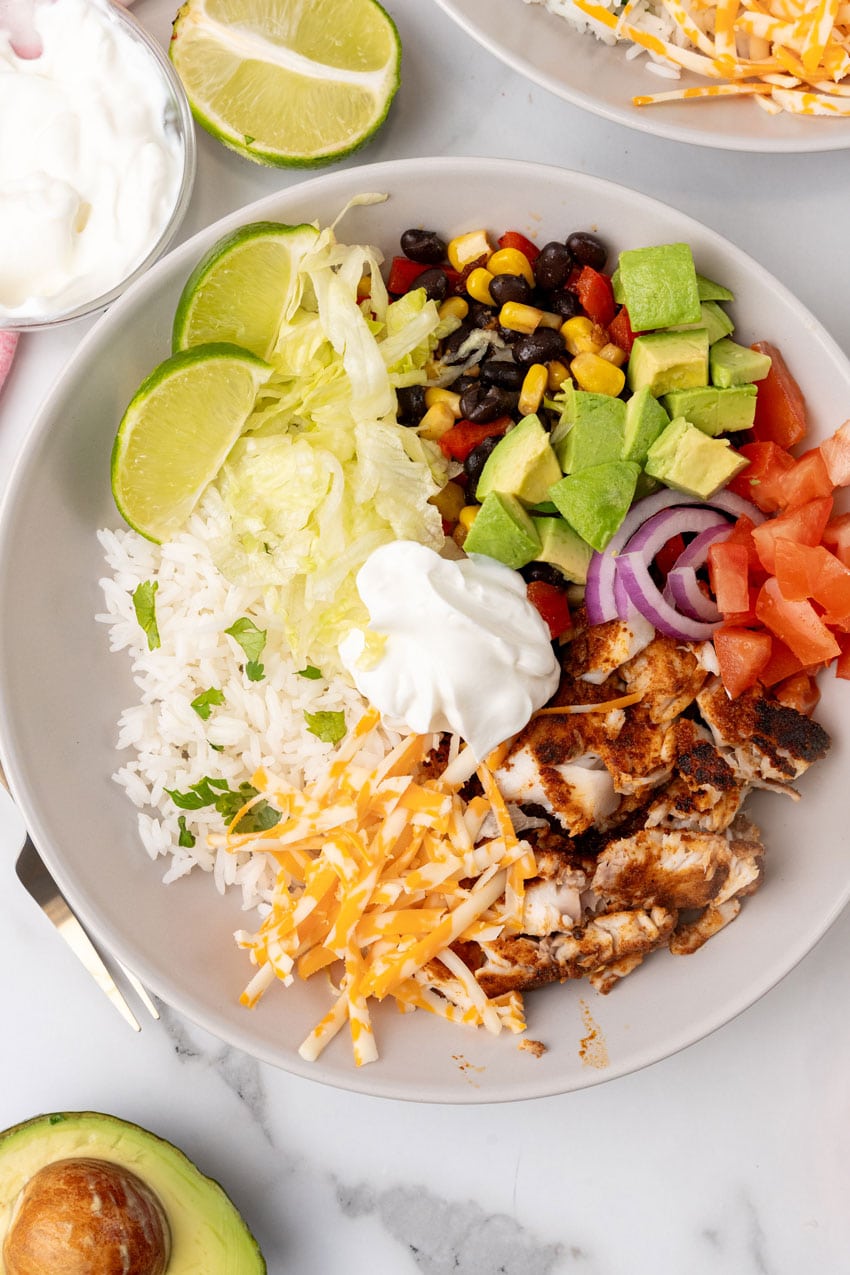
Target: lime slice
x=176, y=434
x=239, y=291
x=288, y=82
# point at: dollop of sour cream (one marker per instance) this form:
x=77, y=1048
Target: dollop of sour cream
x=90, y=162
x=464, y=650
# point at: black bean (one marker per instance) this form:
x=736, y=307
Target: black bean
x=477, y=459
x=481, y=315
x=510, y=287
x=484, y=403
x=544, y=572
x=505, y=373
x=553, y=265
x=539, y=346
x=411, y=404
x=508, y=335
x=462, y=384
x=424, y=246
x=455, y=340
x=435, y=284
x=587, y=249
x=564, y=303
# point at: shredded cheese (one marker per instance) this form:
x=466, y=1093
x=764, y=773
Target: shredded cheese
x=381, y=873
x=747, y=44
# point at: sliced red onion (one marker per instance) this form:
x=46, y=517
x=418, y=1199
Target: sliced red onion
x=599, y=596
x=633, y=569
x=683, y=591
x=695, y=554
x=656, y=531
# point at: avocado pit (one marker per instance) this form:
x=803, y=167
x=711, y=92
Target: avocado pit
x=85, y=1216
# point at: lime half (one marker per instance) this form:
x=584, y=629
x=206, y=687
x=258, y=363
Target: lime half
x=176, y=434
x=289, y=82
x=239, y=291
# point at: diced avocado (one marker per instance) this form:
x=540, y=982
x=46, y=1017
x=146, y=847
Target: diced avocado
x=645, y=419
x=733, y=364
x=711, y=291
x=688, y=460
x=714, y=319
x=617, y=287
x=714, y=410
x=664, y=361
x=563, y=548
x=544, y=507
x=207, y=1232
x=522, y=464
x=503, y=530
x=645, y=486
x=659, y=286
x=595, y=501
x=590, y=431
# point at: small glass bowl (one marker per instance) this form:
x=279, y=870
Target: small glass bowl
x=178, y=121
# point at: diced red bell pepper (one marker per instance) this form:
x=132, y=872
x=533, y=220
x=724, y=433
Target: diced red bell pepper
x=780, y=406
x=836, y=537
x=836, y=454
x=666, y=557
x=596, y=295
x=403, y=275
x=783, y=663
x=514, y=239
x=620, y=330
x=803, y=571
x=741, y=654
x=807, y=479
x=797, y=624
x=842, y=664
x=759, y=481
x=805, y=525
x=552, y=604
x=800, y=691
x=465, y=436
x=728, y=573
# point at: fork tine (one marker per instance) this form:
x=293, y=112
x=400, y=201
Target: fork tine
x=140, y=990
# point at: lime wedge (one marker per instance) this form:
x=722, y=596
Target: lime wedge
x=239, y=291
x=176, y=434
x=288, y=82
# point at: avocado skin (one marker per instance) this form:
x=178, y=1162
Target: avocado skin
x=164, y=1160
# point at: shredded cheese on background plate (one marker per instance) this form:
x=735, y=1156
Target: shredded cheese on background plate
x=790, y=55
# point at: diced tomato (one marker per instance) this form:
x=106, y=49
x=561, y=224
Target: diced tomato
x=782, y=664
x=780, y=406
x=836, y=537
x=746, y=619
x=808, y=479
x=513, y=239
x=403, y=275
x=465, y=436
x=728, y=572
x=759, y=482
x=836, y=455
x=666, y=557
x=620, y=330
x=799, y=691
x=596, y=295
x=797, y=624
x=552, y=604
x=741, y=655
x=805, y=525
x=742, y=534
x=842, y=664
x=806, y=572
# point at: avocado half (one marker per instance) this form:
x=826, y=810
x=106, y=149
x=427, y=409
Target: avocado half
x=207, y=1232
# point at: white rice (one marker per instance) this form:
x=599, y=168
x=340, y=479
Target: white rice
x=647, y=15
x=168, y=744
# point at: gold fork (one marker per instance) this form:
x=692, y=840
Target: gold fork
x=33, y=874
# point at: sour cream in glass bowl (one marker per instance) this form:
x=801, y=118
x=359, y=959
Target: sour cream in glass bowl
x=97, y=157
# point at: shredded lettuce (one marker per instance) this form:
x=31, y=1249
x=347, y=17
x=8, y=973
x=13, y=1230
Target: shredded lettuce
x=324, y=474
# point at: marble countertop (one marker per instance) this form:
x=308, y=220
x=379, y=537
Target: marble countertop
x=729, y=1157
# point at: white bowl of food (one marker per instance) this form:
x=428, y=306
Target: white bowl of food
x=578, y=56
x=62, y=692
x=97, y=152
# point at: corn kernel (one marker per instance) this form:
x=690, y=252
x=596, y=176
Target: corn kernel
x=533, y=385
x=434, y=394
x=438, y=420
x=467, y=248
x=449, y=500
x=478, y=285
x=582, y=336
x=467, y=516
x=613, y=354
x=557, y=375
x=454, y=308
x=597, y=375
x=548, y=320
x=519, y=318
x=511, y=261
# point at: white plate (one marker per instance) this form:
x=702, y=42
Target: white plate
x=61, y=692
x=597, y=76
